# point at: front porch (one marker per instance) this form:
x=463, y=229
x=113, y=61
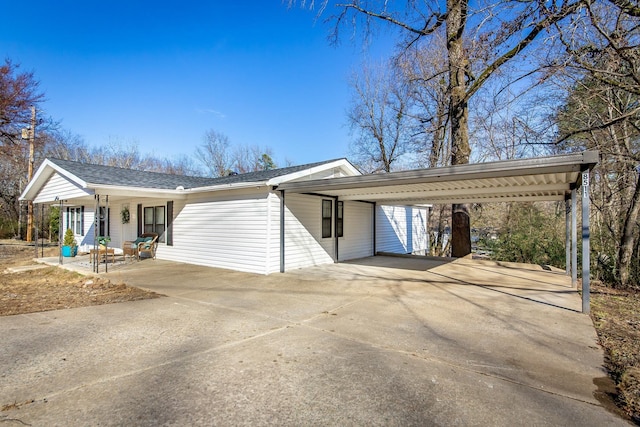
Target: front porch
x=83, y=263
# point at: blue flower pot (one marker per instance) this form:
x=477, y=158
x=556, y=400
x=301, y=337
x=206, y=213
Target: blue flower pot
x=69, y=251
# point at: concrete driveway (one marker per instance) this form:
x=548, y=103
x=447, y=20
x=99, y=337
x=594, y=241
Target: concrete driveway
x=378, y=341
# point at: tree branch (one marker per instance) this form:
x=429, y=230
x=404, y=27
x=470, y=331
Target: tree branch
x=537, y=29
x=601, y=126
x=429, y=26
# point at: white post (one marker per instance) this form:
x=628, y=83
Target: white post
x=574, y=237
x=586, y=259
x=567, y=229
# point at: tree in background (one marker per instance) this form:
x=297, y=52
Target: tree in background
x=18, y=92
x=533, y=233
x=251, y=158
x=220, y=158
x=214, y=155
x=602, y=111
x=378, y=118
x=480, y=39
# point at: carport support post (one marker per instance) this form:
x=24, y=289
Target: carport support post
x=106, y=232
x=586, y=259
x=567, y=228
x=34, y=210
x=574, y=238
x=60, y=228
x=96, y=225
x=282, y=231
x=375, y=205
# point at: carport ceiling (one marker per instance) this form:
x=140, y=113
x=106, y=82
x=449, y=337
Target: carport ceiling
x=539, y=179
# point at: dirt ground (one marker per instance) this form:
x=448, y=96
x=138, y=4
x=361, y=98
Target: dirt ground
x=616, y=316
x=53, y=288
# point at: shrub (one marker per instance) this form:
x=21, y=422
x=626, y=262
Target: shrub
x=69, y=238
x=531, y=235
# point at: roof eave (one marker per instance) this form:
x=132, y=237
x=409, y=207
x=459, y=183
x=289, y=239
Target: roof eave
x=224, y=187
x=554, y=164
x=344, y=163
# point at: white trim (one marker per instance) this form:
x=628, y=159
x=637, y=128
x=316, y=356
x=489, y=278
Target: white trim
x=39, y=178
x=341, y=163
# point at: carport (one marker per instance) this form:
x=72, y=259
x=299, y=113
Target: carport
x=553, y=178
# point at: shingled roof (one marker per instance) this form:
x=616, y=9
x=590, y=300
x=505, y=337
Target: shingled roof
x=110, y=175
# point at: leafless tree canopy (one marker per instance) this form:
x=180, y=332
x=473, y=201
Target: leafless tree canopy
x=18, y=92
x=378, y=118
x=220, y=158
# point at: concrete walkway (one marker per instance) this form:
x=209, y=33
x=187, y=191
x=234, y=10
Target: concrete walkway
x=378, y=341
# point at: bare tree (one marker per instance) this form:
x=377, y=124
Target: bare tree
x=18, y=92
x=424, y=71
x=499, y=32
x=252, y=158
x=378, y=118
x=214, y=154
x=603, y=111
x=220, y=158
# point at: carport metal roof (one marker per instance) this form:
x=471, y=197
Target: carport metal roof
x=544, y=178
x=553, y=178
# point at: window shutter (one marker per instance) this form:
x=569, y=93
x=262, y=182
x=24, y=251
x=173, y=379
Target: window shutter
x=82, y=220
x=139, y=220
x=170, y=223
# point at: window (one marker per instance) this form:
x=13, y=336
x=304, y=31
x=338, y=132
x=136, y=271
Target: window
x=75, y=220
x=326, y=218
x=154, y=221
x=339, y=219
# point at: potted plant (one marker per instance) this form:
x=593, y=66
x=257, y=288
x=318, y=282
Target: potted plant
x=69, y=244
x=103, y=240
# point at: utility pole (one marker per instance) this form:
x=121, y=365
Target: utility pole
x=32, y=140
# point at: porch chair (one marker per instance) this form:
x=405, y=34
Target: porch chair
x=146, y=243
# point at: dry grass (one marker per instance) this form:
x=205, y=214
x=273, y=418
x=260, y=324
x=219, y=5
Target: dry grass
x=616, y=316
x=53, y=288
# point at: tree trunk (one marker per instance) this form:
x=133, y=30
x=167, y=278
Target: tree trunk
x=627, y=240
x=459, y=116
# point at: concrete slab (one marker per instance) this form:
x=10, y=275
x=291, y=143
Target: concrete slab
x=380, y=341
x=23, y=268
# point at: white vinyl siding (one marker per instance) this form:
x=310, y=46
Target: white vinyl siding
x=225, y=230
x=304, y=244
x=357, y=240
x=59, y=187
x=401, y=229
x=420, y=230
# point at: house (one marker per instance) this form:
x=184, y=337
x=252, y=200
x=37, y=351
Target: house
x=241, y=222
x=300, y=216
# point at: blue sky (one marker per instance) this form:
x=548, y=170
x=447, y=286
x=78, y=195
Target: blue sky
x=162, y=73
